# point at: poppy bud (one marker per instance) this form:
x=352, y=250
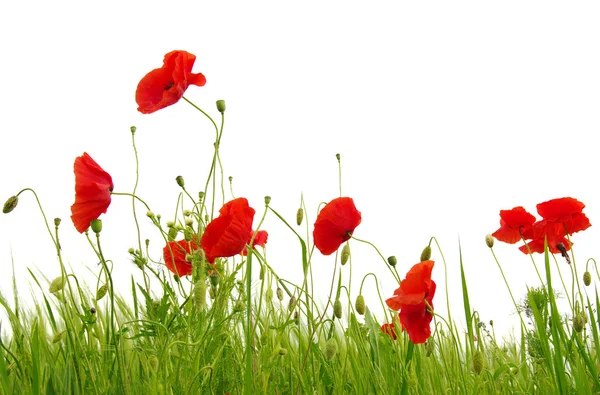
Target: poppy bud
x=489, y=240
x=201, y=195
x=292, y=303
x=150, y=214
x=133, y=129
x=426, y=254
x=261, y=274
x=57, y=284
x=392, y=261
x=337, y=157
x=131, y=250
x=180, y=182
x=282, y=351
x=478, y=362
x=279, y=293
x=578, y=322
x=299, y=216
x=267, y=200
x=200, y=294
x=187, y=213
x=212, y=292
x=239, y=306
x=360, y=304
x=188, y=234
x=428, y=348
x=330, y=349
x=172, y=234
x=57, y=222
x=189, y=222
x=337, y=308
x=269, y=295
x=345, y=254
x=587, y=278
x=170, y=224
x=10, y=204
x=96, y=225
x=101, y=292
x=221, y=106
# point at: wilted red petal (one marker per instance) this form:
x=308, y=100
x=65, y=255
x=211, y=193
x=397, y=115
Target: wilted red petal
x=335, y=222
x=92, y=192
x=174, y=254
x=227, y=235
x=165, y=86
x=416, y=320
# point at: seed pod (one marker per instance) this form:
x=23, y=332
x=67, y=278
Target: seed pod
x=392, y=261
x=221, y=106
x=96, y=225
x=360, y=304
x=337, y=308
x=180, y=181
x=215, y=278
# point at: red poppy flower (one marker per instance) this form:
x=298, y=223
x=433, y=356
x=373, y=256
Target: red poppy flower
x=513, y=223
x=566, y=213
x=228, y=234
x=389, y=330
x=163, y=87
x=92, y=192
x=259, y=240
x=553, y=233
x=335, y=223
x=174, y=254
x=412, y=298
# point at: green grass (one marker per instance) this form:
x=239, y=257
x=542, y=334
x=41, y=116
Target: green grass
x=244, y=329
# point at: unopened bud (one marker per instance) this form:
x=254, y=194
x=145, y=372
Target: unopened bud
x=587, y=278
x=426, y=254
x=58, y=337
x=212, y=292
x=478, y=362
x=131, y=250
x=215, y=278
x=282, y=351
x=221, y=106
x=150, y=214
x=337, y=308
x=57, y=284
x=239, y=306
x=578, y=322
x=10, y=204
x=279, y=293
x=269, y=295
x=189, y=221
x=172, y=233
x=330, y=349
x=360, y=304
x=96, y=225
x=345, y=254
x=101, y=292
x=392, y=261
x=292, y=303
x=337, y=157
x=299, y=216
x=180, y=182
x=489, y=240
x=153, y=362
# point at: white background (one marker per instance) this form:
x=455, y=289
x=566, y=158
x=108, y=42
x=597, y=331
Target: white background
x=443, y=112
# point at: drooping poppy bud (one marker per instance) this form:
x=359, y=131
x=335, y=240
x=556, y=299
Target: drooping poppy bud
x=57, y=284
x=426, y=254
x=101, y=292
x=360, y=304
x=337, y=308
x=330, y=349
x=478, y=362
x=345, y=254
x=489, y=240
x=180, y=181
x=10, y=204
x=299, y=216
x=587, y=278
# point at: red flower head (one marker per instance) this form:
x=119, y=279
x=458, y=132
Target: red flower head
x=259, y=240
x=412, y=298
x=513, y=223
x=92, y=192
x=566, y=213
x=389, y=330
x=174, y=254
x=335, y=223
x=163, y=87
x=555, y=235
x=228, y=234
